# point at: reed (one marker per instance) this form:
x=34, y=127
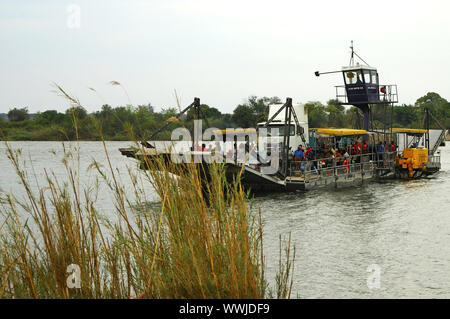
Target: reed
x=201, y=240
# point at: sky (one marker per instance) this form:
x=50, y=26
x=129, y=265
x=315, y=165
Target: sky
x=219, y=51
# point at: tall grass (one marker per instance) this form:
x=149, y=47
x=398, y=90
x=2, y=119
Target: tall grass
x=200, y=241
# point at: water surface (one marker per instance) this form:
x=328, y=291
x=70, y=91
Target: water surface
x=401, y=226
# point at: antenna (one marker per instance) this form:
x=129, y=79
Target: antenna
x=352, y=58
x=352, y=61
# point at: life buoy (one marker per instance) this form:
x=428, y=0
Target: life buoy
x=346, y=166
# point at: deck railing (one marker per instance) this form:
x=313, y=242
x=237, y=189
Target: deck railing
x=334, y=167
x=391, y=95
x=434, y=159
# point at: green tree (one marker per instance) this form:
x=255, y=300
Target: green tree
x=207, y=111
x=335, y=116
x=50, y=117
x=77, y=111
x=254, y=111
x=439, y=106
x=106, y=112
x=244, y=116
x=317, y=115
x=353, y=118
x=18, y=115
x=337, y=103
x=260, y=106
x=405, y=115
x=431, y=100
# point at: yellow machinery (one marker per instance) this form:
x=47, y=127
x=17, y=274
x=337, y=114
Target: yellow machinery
x=413, y=159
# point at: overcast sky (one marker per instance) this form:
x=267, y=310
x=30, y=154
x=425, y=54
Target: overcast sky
x=220, y=51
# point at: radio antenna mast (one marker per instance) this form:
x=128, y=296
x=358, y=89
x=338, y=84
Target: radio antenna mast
x=352, y=58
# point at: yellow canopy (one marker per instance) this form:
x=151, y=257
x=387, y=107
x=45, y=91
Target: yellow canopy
x=409, y=130
x=236, y=131
x=340, y=131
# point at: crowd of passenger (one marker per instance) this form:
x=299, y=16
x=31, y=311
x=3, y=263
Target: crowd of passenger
x=309, y=158
x=328, y=156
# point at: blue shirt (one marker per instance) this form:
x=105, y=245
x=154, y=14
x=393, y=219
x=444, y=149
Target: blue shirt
x=381, y=149
x=298, y=153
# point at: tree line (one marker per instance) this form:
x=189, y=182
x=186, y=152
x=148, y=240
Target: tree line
x=125, y=122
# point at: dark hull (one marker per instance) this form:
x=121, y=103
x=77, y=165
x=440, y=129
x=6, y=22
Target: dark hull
x=257, y=182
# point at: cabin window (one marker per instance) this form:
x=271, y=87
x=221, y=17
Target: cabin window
x=271, y=130
x=353, y=77
x=366, y=76
x=374, y=76
x=350, y=77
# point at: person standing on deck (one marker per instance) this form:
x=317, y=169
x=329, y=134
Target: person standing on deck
x=381, y=150
x=358, y=152
x=353, y=149
x=298, y=156
x=393, y=147
x=358, y=148
x=309, y=156
x=365, y=147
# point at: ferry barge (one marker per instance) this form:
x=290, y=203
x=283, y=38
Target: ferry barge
x=339, y=160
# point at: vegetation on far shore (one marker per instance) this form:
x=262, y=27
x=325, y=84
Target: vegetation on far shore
x=114, y=122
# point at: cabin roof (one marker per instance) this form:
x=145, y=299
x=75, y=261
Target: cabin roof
x=358, y=68
x=235, y=131
x=410, y=130
x=340, y=131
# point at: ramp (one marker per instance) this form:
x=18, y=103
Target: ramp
x=436, y=139
x=436, y=142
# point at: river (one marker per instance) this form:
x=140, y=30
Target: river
x=382, y=240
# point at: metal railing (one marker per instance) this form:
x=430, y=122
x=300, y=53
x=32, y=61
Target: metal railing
x=314, y=169
x=390, y=95
x=434, y=159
